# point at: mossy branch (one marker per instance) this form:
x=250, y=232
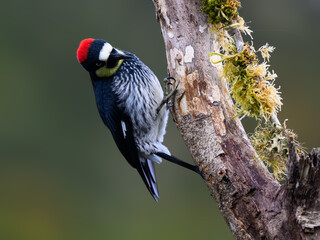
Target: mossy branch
x=254, y=205
x=250, y=82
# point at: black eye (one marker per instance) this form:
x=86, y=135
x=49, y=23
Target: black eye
x=98, y=64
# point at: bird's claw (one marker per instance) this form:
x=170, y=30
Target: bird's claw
x=167, y=81
x=168, y=94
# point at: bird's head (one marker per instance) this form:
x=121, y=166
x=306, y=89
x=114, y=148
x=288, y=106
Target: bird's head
x=99, y=57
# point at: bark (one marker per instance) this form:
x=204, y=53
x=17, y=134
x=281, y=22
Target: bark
x=254, y=205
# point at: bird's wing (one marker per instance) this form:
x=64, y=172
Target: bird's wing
x=121, y=129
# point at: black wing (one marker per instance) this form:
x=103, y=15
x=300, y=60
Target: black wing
x=121, y=128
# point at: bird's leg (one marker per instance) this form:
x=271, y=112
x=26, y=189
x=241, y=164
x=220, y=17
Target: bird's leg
x=167, y=93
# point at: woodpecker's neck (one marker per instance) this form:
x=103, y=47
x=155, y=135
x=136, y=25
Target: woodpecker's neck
x=106, y=71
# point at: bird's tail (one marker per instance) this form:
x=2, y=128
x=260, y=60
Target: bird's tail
x=148, y=174
x=179, y=162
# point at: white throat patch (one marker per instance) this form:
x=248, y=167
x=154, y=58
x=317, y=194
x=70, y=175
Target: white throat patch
x=105, y=52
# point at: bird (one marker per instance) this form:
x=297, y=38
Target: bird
x=130, y=102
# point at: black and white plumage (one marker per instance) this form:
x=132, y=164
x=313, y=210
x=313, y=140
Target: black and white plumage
x=127, y=95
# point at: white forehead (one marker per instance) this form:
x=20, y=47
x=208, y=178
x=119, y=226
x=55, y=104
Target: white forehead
x=105, y=52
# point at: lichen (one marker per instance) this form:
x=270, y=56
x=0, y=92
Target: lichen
x=271, y=142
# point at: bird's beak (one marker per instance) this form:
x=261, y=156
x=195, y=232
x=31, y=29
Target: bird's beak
x=119, y=56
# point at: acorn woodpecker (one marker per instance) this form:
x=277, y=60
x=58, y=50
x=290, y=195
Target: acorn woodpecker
x=128, y=96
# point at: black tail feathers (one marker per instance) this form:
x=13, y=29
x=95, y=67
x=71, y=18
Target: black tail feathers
x=148, y=174
x=179, y=162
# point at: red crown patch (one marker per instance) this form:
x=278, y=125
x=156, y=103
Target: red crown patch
x=83, y=49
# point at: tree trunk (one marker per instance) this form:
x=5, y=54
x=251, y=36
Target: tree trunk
x=254, y=205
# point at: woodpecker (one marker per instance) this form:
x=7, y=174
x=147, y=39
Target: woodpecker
x=129, y=99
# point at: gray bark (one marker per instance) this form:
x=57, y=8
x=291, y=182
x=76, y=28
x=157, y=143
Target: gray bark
x=254, y=205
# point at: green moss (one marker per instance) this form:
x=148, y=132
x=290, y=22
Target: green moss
x=220, y=11
x=251, y=84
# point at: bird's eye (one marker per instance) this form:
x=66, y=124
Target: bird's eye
x=98, y=64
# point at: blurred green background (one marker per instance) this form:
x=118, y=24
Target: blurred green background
x=61, y=175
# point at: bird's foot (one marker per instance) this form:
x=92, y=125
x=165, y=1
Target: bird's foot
x=167, y=93
x=169, y=81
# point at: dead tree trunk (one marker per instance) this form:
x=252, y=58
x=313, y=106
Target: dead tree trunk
x=253, y=204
